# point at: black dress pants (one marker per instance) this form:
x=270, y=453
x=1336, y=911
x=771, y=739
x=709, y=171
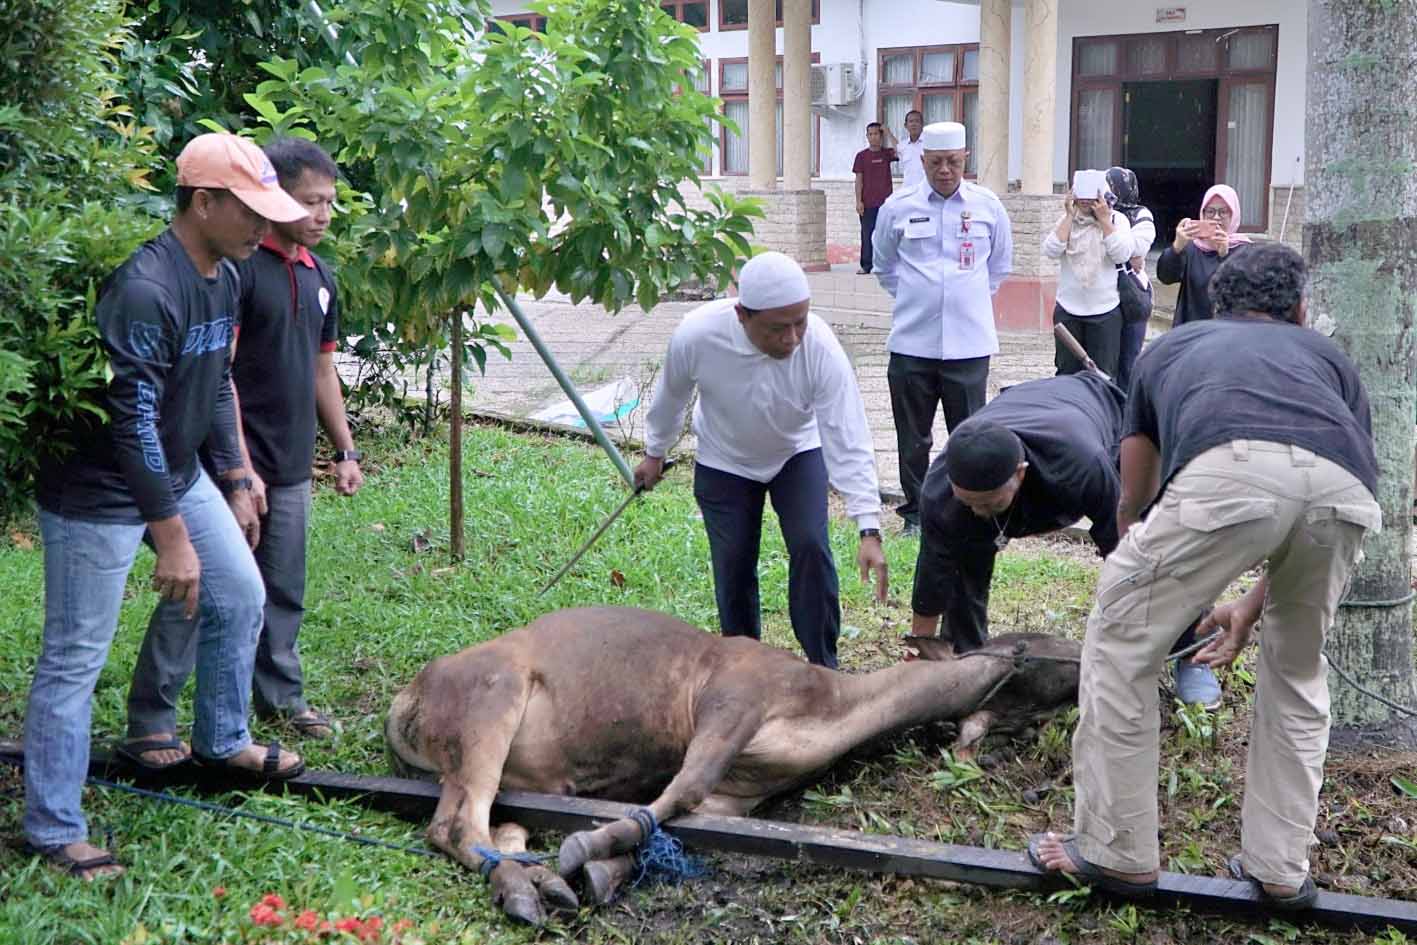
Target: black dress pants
x=868, y=228
x=732, y=507
x=1099, y=335
x=917, y=386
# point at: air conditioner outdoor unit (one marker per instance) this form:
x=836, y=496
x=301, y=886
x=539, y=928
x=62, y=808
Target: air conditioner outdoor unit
x=835, y=83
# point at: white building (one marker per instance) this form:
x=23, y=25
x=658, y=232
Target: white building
x=1185, y=94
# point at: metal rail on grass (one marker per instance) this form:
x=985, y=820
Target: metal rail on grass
x=825, y=846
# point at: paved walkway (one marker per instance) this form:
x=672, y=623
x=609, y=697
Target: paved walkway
x=598, y=349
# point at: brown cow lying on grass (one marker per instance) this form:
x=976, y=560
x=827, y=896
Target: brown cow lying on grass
x=636, y=706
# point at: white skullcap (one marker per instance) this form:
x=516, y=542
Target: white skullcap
x=771, y=280
x=943, y=136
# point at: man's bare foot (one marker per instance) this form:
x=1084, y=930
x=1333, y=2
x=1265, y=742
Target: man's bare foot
x=158, y=757
x=71, y=859
x=1053, y=857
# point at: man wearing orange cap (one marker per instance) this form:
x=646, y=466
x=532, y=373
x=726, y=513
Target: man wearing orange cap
x=165, y=321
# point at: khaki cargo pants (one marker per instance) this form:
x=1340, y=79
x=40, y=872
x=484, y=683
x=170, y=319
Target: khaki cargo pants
x=1226, y=511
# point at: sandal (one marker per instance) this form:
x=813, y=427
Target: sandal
x=270, y=767
x=1305, y=898
x=131, y=750
x=1087, y=873
x=312, y=724
x=79, y=869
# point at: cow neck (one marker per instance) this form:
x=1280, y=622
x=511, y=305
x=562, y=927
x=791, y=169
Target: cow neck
x=915, y=692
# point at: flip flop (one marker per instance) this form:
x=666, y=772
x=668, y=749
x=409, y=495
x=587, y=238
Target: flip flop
x=57, y=858
x=270, y=767
x=1305, y=898
x=314, y=725
x=132, y=750
x=1087, y=873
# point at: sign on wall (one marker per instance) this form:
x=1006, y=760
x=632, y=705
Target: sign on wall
x=1170, y=14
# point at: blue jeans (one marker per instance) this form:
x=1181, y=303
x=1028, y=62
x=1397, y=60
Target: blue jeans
x=86, y=566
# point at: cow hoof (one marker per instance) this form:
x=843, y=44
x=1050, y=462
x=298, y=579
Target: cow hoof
x=603, y=878
x=555, y=893
x=525, y=908
x=575, y=853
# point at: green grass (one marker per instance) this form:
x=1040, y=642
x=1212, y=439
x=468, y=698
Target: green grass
x=381, y=604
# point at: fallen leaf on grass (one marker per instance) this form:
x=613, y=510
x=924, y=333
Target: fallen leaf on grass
x=442, y=572
x=21, y=541
x=617, y=578
x=377, y=527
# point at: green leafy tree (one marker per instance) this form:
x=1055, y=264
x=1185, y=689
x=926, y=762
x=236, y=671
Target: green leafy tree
x=74, y=202
x=505, y=160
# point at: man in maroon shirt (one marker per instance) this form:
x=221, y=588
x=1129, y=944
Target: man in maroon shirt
x=873, y=184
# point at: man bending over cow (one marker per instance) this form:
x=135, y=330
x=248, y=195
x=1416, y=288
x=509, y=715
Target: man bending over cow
x=779, y=414
x=1034, y=460
x=1250, y=440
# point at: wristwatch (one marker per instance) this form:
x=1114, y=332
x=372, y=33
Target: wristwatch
x=228, y=486
x=347, y=456
x=870, y=533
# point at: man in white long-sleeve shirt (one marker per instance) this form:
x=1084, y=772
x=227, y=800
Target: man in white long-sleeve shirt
x=779, y=414
x=942, y=249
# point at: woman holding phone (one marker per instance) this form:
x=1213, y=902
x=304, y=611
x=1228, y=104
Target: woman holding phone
x=1200, y=246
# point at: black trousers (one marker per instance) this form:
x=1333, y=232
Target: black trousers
x=1099, y=335
x=917, y=386
x=733, y=517
x=868, y=228
x=1133, y=338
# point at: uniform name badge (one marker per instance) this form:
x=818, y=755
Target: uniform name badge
x=917, y=228
x=966, y=243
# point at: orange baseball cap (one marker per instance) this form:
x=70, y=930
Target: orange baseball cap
x=222, y=161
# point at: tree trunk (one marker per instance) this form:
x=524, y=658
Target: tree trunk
x=1361, y=245
x=455, y=507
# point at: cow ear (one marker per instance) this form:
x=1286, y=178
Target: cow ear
x=929, y=648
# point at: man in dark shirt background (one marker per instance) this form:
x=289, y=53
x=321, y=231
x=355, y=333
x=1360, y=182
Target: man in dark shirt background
x=165, y=320
x=285, y=378
x=873, y=184
x=1247, y=440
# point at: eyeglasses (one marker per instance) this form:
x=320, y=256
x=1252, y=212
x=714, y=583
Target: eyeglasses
x=1216, y=213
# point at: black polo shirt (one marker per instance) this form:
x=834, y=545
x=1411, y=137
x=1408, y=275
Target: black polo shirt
x=1207, y=383
x=167, y=332
x=289, y=314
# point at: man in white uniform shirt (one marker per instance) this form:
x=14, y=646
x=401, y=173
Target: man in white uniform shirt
x=942, y=249
x=779, y=414
x=910, y=150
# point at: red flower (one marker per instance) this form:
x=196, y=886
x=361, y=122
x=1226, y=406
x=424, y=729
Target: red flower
x=350, y=924
x=402, y=925
x=307, y=920
x=374, y=922
x=219, y=891
x=272, y=900
x=263, y=914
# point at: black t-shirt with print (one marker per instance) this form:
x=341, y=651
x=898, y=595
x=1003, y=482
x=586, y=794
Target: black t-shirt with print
x=1207, y=383
x=289, y=313
x=167, y=332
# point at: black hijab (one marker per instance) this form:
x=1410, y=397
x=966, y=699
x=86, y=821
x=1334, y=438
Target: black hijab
x=1124, y=184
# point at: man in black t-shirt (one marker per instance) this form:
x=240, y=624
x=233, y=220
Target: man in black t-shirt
x=165, y=319
x=284, y=374
x=1247, y=440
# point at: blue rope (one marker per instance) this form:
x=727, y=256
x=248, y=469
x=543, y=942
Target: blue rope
x=491, y=859
x=660, y=857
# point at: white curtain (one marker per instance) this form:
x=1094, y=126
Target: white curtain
x=938, y=107
x=971, y=126
x=735, y=146
x=1147, y=56
x=735, y=77
x=898, y=70
x=970, y=69
x=1097, y=59
x=1096, y=116
x=1245, y=149
x=1252, y=50
x=937, y=68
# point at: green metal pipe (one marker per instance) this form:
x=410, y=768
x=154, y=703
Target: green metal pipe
x=566, y=385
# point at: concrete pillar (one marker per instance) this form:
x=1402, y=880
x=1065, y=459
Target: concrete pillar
x=991, y=144
x=762, y=94
x=1040, y=73
x=797, y=94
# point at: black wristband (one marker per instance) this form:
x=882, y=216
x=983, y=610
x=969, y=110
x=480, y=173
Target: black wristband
x=870, y=533
x=345, y=456
x=230, y=486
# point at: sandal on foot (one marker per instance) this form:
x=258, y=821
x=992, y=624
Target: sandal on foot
x=312, y=724
x=64, y=863
x=132, y=751
x=270, y=767
x=1087, y=873
x=1305, y=898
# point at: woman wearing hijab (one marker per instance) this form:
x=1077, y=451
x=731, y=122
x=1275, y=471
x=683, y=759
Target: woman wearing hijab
x=1090, y=240
x=1198, y=250
x=1128, y=193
